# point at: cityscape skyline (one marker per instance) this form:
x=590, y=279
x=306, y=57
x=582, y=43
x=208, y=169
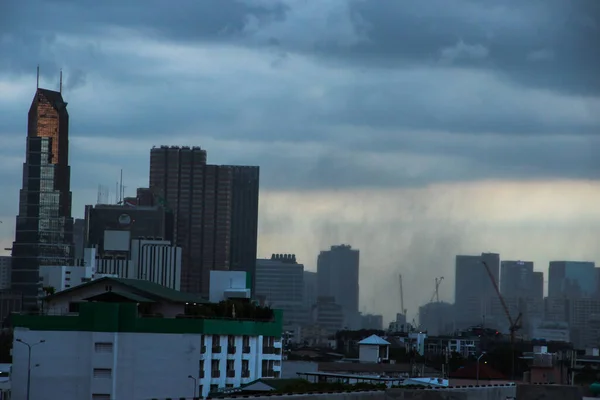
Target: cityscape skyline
x=338, y=163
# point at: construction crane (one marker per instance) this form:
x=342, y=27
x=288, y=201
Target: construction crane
x=514, y=324
x=402, y=309
x=436, y=293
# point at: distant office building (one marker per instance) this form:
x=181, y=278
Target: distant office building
x=371, y=321
x=79, y=237
x=572, y=279
x=516, y=278
x=106, y=223
x=215, y=209
x=328, y=315
x=436, y=318
x=310, y=289
x=44, y=229
x=537, y=285
x=5, y=267
x=280, y=280
x=474, y=288
x=244, y=219
x=156, y=261
x=337, y=274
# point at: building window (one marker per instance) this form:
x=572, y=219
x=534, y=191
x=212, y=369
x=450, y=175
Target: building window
x=214, y=369
x=203, y=344
x=103, y=347
x=230, y=369
x=216, y=344
x=230, y=344
x=267, y=369
x=73, y=307
x=201, y=369
x=105, y=373
x=245, y=369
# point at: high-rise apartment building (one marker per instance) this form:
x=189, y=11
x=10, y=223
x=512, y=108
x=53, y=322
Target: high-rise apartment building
x=572, y=279
x=215, y=210
x=516, y=278
x=474, y=288
x=337, y=274
x=44, y=228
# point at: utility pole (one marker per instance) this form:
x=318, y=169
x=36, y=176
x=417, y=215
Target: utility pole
x=29, y=346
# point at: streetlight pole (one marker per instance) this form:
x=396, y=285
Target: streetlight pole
x=479, y=358
x=29, y=346
x=195, y=385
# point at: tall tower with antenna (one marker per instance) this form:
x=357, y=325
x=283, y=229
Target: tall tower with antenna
x=44, y=229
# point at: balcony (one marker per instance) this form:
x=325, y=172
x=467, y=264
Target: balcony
x=231, y=373
x=217, y=349
x=231, y=349
x=246, y=349
x=215, y=374
x=269, y=350
x=246, y=373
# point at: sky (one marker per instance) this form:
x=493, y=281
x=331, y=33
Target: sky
x=413, y=130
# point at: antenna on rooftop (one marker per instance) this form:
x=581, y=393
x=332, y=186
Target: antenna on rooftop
x=60, y=84
x=37, y=86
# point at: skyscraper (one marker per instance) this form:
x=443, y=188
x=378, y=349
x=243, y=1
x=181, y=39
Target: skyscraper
x=244, y=219
x=473, y=287
x=572, y=279
x=215, y=210
x=44, y=228
x=516, y=278
x=337, y=275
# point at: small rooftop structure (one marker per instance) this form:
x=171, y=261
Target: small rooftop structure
x=374, y=340
x=373, y=349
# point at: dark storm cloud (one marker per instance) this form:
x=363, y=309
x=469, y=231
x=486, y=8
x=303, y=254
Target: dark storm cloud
x=541, y=43
x=469, y=50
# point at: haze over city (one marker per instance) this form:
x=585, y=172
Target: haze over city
x=413, y=131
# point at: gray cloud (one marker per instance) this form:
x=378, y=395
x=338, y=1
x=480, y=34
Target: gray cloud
x=379, y=93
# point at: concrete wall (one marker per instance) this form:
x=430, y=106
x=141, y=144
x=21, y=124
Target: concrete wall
x=539, y=392
x=140, y=365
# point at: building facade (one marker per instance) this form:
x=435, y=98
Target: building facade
x=125, y=356
x=474, y=288
x=244, y=219
x=5, y=268
x=215, y=209
x=130, y=222
x=338, y=277
x=280, y=282
x=516, y=278
x=572, y=279
x=44, y=228
x=156, y=261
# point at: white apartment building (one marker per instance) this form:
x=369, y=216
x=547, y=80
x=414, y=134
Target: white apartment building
x=62, y=277
x=152, y=260
x=105, y=349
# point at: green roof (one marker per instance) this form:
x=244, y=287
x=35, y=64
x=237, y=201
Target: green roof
x=144, y=288
x=125, y=295
x=123, y=317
